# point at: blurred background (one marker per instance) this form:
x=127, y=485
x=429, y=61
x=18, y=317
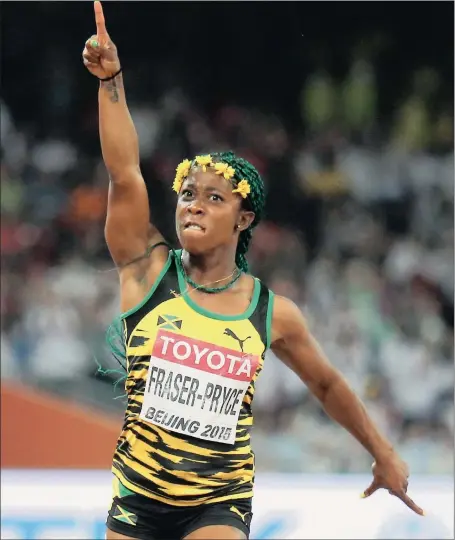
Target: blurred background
x=347, y=111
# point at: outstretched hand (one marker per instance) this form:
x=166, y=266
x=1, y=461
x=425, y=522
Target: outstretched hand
x=392, y=474
x=100, y=54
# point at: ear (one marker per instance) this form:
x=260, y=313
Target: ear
x=245, y=219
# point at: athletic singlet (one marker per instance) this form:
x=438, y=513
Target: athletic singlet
x=190, y=384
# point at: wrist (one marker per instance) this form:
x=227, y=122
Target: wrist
x=113, y=76
x=384, y=453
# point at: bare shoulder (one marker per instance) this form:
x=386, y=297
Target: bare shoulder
x=148, y=264
x=139, y=276
x=294, y=345
x=287, y=319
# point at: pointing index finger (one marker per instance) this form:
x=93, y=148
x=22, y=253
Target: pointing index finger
x=410, y=503
x=99, y=19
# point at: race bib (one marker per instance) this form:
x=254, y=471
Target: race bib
x=196, y=388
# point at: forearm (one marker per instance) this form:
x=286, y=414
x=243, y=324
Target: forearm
x=119, y=142
x=341, y=404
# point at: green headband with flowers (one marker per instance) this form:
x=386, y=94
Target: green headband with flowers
x=182, y=171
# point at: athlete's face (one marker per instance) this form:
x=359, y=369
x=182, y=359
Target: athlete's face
x=208, y=214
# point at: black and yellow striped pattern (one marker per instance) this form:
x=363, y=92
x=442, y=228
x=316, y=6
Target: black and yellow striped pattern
x=167, y=466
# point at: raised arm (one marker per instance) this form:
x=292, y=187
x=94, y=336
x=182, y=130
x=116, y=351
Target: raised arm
x=294, y=345
x=128, y=230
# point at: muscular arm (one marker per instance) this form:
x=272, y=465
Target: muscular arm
x=128, y=231
x=294, y=345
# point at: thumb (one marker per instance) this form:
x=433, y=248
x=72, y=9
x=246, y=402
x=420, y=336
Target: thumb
x=104, y=50
x=374, y=486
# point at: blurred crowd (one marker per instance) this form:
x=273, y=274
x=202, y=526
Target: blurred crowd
x=359, y=233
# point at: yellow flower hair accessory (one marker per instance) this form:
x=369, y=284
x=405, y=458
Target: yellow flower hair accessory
x=228, y=172
x=181, y=173
x=243, y=188
x=224, y=169
x=204, y=161
x=177, y=185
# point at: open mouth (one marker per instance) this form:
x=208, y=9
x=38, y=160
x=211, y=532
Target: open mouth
x=191, y=226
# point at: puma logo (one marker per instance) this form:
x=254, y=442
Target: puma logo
x=230, y=333
x=236, y=511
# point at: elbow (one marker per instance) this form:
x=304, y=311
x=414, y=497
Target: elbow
x=324, y=388
x=121, y=162
x=123, y=174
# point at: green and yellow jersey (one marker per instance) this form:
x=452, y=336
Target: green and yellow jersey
x=190, y=385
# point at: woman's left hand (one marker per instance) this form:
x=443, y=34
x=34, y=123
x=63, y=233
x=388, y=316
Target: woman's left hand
x=392, y=473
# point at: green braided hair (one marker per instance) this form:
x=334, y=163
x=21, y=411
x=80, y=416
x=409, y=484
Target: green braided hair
x=115, y=341
x=248, y=183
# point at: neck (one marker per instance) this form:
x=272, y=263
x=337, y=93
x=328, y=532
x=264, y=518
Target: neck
x=211, y=266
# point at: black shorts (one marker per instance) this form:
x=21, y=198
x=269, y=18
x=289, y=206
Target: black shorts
x=140, y=517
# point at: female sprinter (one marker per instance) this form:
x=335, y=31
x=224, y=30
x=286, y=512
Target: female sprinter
x=195, y=328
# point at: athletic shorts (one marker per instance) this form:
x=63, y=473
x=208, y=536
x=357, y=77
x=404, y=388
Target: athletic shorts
x=140, y=517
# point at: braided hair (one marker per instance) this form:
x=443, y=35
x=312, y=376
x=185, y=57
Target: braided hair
x=255, y=201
